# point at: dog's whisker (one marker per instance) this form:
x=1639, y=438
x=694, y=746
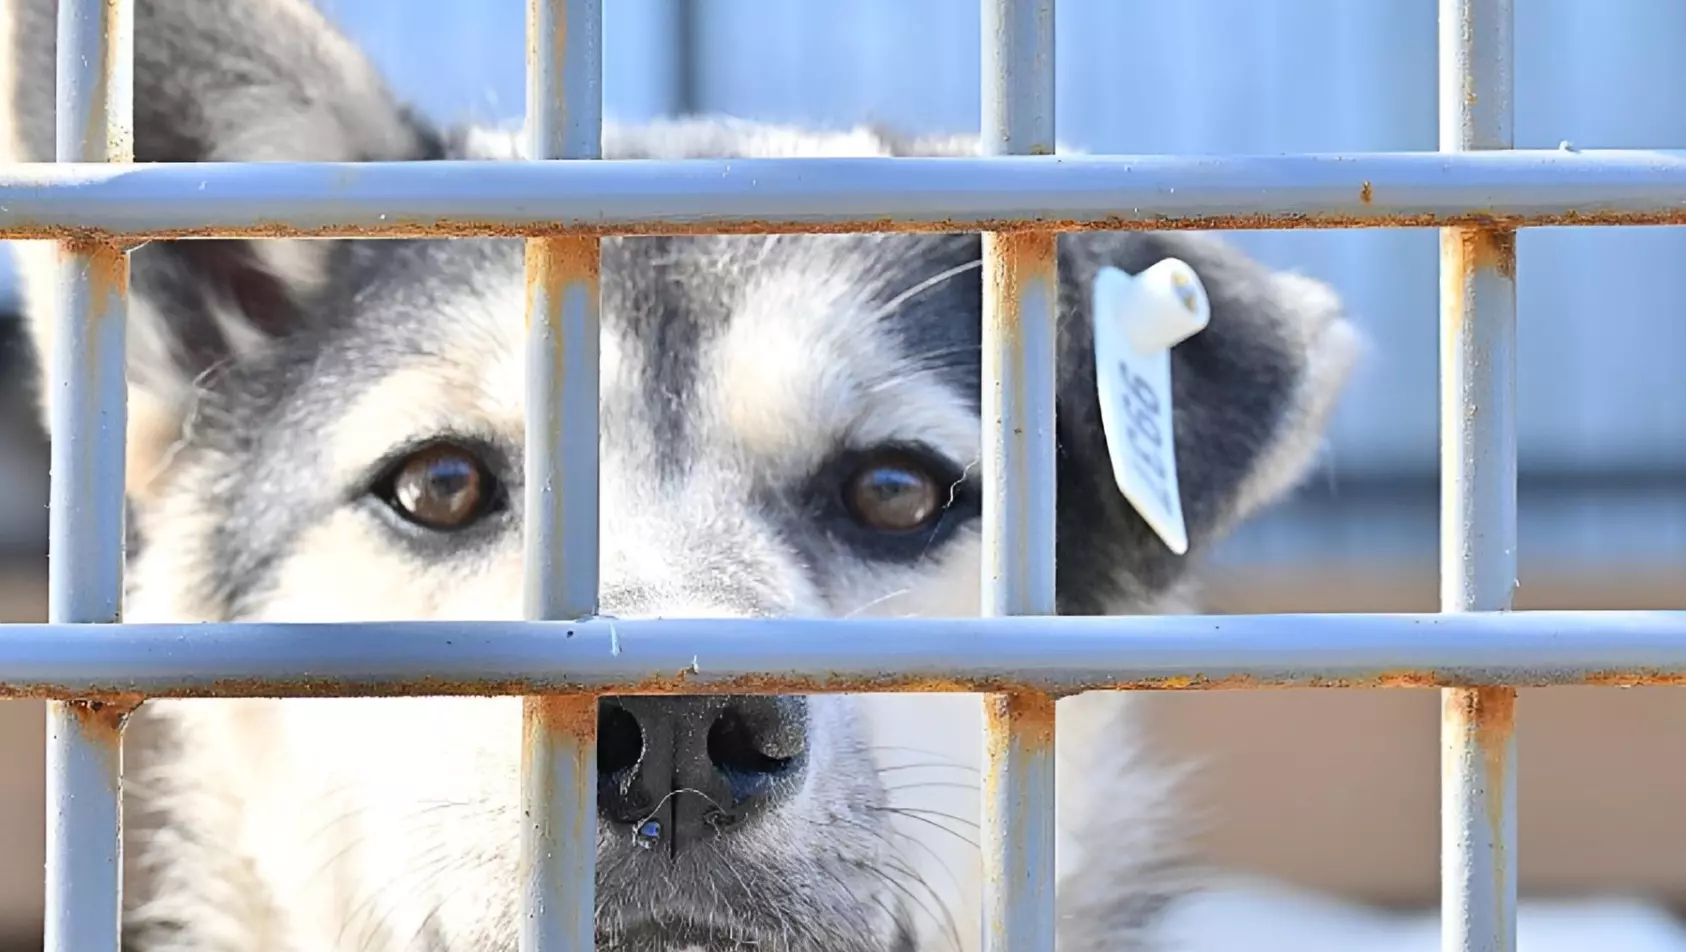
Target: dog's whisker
x=890, y=306
x=876, y=602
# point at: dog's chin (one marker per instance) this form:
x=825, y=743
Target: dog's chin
x=751, y=931
x=698, y=935
x=683, y=935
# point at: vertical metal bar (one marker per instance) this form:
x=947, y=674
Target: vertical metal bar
x=1018, y=827
x=559, y=763
x=1020, y=298
x=84, y=827
x=686, y=99
x=1478, y=489
x=94, y=117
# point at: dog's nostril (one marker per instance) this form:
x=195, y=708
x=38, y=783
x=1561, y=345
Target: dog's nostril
x=750, y=741
x=675, y=770
x=620, y=741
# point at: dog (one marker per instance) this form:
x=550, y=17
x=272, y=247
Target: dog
x=332, y=431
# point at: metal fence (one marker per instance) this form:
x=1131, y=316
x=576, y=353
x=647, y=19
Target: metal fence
x=1475, y=650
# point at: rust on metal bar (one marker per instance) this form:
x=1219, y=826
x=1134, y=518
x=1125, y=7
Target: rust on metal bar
x=1021, y=294
x=559, y=770
x=1466, y=251
x=1478, y=765
x=104, y=716
x=1018, y=721
x=684, y=683
x=1018, y=795
x=400, y=227
x=555, y=262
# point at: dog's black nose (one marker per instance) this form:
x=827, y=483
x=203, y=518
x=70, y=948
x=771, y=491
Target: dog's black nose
x=672, y=770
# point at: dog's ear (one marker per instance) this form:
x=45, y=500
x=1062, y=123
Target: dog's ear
x=1252, y=394
x=255, y=80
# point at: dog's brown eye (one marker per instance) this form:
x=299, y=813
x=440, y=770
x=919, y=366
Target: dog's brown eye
x=894, y=493
x=441, y=487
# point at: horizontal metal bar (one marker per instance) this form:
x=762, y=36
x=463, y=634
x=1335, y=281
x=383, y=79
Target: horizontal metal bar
x=767, y=655
x=440, y=199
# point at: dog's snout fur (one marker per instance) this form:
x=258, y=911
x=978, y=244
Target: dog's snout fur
x=334, y=431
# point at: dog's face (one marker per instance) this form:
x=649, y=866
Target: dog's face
x=789, y=425
x=333, y=431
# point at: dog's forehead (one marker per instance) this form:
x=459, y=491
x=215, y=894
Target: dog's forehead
x=760, y=351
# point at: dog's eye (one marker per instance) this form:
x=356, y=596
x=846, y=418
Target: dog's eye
x=894, y=492
x=440, y=487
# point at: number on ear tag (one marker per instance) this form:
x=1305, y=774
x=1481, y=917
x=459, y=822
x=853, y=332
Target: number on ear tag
x=1137, y=320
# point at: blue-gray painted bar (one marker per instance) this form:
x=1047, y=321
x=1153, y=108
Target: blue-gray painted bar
x=1478, y=489
x=84, y=827
x=564, y=79
x=88, y=415
x=1020, y=296
x=762, y=655
x=87, y=411
x=1018, y=77
x=431, y=199
x=559, y=734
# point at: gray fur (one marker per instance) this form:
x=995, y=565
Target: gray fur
x=275, y=381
